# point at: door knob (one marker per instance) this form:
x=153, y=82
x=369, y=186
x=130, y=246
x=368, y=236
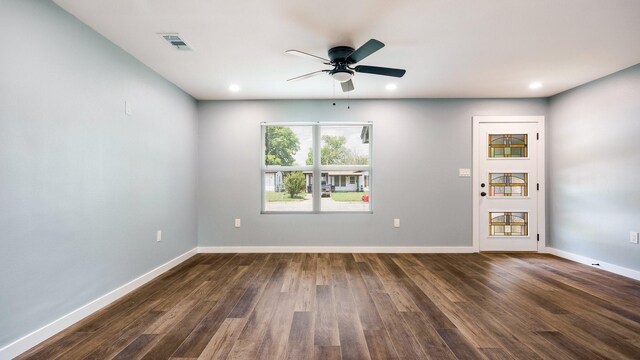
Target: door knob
x=483, y=194
x=482, y=185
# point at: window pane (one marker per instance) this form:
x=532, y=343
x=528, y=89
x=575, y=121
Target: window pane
x=338, y=194
x=288, y=145
x=507, y=145
x=288, y=191
x=344, y=145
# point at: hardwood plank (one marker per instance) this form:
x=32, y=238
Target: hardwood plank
x=373, y=282
x=402, y=338
x=369, y=316
x=380, y=345
x=327, y=353
x=459, y=345
x=326, y=325
x=233, y=289
x=250, y=298
x=352, y=341
x=221, y=343
x=254, y=332
x=180, y=309
x=110, y=349
x=422, y=300
x=110, y=331
x=274, y=345
x=568, y=346
x=392, y=283
x=433, y=346
x=496, y=354
x=167, y=344
x=306, y=293
x=244, y=349
x=323, y=274
x=301, y=336
x=136, y=348
x=55, y=349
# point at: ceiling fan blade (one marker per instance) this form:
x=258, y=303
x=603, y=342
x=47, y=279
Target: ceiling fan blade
x=365, y=50
x=307, y=55
x=377, y=70
x=306, y=76
x=347, y=86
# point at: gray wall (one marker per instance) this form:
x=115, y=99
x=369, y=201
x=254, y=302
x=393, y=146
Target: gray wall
x=593, y=161
x=415, y=142
x=83, y=188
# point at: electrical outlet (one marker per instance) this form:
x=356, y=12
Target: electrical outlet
x=237, y=223
x=633, y=237
x=159, y=235
x=396, y=223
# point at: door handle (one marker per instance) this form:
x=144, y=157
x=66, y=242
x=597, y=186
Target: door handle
x=483, y=194
x=482, y=185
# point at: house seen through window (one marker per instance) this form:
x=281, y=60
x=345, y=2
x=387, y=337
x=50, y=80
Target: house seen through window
x=294, y=155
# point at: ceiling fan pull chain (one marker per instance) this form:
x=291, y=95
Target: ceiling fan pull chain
x=334, y=93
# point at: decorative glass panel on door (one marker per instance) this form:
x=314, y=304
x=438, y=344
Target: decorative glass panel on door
x=508, y=184
x=508, y=224
x=508, y=145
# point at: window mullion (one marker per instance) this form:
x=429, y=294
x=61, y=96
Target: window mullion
x=317, y=180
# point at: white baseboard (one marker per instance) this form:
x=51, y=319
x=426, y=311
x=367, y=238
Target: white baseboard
x=630, y=273
x=338, y=249
x=28, y=341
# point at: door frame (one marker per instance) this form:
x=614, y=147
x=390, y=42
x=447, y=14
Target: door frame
x=477, y=120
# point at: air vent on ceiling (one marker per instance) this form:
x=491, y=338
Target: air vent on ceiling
x=176, y=42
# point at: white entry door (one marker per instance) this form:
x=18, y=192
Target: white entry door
x=507, y=155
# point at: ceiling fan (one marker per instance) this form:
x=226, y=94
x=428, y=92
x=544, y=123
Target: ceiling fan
x=342, y=57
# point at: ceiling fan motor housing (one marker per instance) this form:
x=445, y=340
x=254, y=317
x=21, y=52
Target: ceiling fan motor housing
x=339, y=58
x=339, y=54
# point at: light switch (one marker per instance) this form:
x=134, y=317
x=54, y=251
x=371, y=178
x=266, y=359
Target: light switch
x=237, y=223
x=633, y=237
x=464, y=172
x=127, y=108
x=396, y=223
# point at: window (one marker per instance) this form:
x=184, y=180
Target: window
x=293, y=155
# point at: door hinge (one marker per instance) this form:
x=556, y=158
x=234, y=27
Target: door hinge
x=538, y=186
x=537, y=136
x=538, y=237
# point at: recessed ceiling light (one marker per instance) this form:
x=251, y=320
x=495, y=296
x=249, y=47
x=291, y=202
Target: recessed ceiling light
x=234, y=88
x=535, y=85
x=391, y=87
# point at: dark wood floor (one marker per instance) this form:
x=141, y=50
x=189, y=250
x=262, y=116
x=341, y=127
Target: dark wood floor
x=361, y=306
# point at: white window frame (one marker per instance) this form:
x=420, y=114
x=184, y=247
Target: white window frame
x=316, y=169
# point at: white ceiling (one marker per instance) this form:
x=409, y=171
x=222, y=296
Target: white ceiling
x=462, y=48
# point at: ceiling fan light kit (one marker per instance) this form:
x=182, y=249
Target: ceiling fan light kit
x=342, y=57
x=342, y=75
